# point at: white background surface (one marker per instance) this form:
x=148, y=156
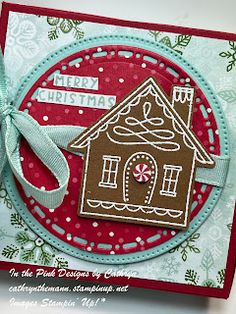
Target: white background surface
x=211, y=14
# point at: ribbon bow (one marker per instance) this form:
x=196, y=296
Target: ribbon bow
x=14, y=124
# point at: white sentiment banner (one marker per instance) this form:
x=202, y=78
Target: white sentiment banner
x=85, y=82
x=70, y=98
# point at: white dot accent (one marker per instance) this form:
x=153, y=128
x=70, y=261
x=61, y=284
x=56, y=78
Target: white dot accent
x=121, y=80
x=99, y=49
x=187, y=80
x=45, y=118
x=209, y=110
x=67, y=192
x=68, y=219
x=138, y=239
x=51, y=210
x=111, y=234
x=173, y=232
x=143, y=65
x=81, y=111
x=21, y=158
x=217, y=132
x=95, y=224
x=100, y=69
x=89, y=249
x=112, y=252
x=69, y=237
x=77, y=65
x=43, y=188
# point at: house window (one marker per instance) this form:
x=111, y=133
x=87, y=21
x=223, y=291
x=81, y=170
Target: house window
x=170, y=180
x=109, y=171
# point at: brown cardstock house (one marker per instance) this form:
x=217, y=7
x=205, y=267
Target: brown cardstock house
x=146, y=128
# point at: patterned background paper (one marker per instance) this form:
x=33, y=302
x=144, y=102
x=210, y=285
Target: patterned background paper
x=29, y=39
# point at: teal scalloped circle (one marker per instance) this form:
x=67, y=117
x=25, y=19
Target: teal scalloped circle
x=62, y=53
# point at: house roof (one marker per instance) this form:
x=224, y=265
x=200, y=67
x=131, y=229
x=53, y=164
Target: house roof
x=124, y=107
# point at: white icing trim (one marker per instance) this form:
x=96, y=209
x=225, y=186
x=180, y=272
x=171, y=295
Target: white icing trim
x=174, y=213
x=126, y=175
x=164, y=136
x=149, y=86
x=85, y=178
x=189, y=188
x=109, y=159
x=169, y=180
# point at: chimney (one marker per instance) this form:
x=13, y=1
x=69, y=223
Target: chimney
x=182, y=102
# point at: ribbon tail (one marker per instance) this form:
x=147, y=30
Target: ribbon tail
x=62, y=135
x=217, y=175
x=3, y=156
x=46, y=151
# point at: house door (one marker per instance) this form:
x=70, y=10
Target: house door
x=139, y=179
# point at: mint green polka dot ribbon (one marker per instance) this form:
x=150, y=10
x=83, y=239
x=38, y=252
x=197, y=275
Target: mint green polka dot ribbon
x=16, y=124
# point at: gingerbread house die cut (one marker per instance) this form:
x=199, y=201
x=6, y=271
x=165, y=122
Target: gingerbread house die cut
x=140, y=159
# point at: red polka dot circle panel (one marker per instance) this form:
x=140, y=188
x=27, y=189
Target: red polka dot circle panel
x=119, y=69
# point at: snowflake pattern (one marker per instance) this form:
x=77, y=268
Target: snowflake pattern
x=20, y=43
x=230, y=55
x=5, y=197
x=152, y=268
x=170, y=266
x=24, y=243
x=186, y=247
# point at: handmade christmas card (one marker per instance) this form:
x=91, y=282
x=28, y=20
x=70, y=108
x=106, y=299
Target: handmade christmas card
x=117, y=150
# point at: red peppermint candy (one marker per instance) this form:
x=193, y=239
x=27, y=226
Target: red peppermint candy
x=142, y=173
